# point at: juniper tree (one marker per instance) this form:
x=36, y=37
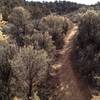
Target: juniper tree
x=19, y=25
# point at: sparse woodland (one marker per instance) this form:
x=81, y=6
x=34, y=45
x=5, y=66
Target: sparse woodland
x=49, y=50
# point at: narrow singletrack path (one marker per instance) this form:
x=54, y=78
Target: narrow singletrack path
x=70, y=86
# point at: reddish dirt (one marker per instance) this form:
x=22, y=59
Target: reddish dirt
x=70, y=85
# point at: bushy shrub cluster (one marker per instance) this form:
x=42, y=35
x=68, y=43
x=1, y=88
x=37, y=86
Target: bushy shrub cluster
x=86, y=50
x=29, y=69
x=25, y=70
x=6, y=54
x=57, y=27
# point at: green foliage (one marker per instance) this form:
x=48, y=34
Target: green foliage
x=29, y=69
x=44, y=41
x=6, y=6
x=46, y=90
x=56, y=26
x=26, y=70
x=40, y=9
x=4, y=71
x=87, y=46
x=19, y=25
x=6, y=54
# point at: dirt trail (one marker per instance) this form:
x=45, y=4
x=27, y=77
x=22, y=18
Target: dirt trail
x=67, y=40
x=70, y=86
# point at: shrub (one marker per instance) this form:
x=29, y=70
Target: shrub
x=86, y=48
x=19, y=24
x=29, y=69
x=6, y=54
x=44, y=41
x=56, y=26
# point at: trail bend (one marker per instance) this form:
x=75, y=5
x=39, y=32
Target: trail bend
x=70, y=86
